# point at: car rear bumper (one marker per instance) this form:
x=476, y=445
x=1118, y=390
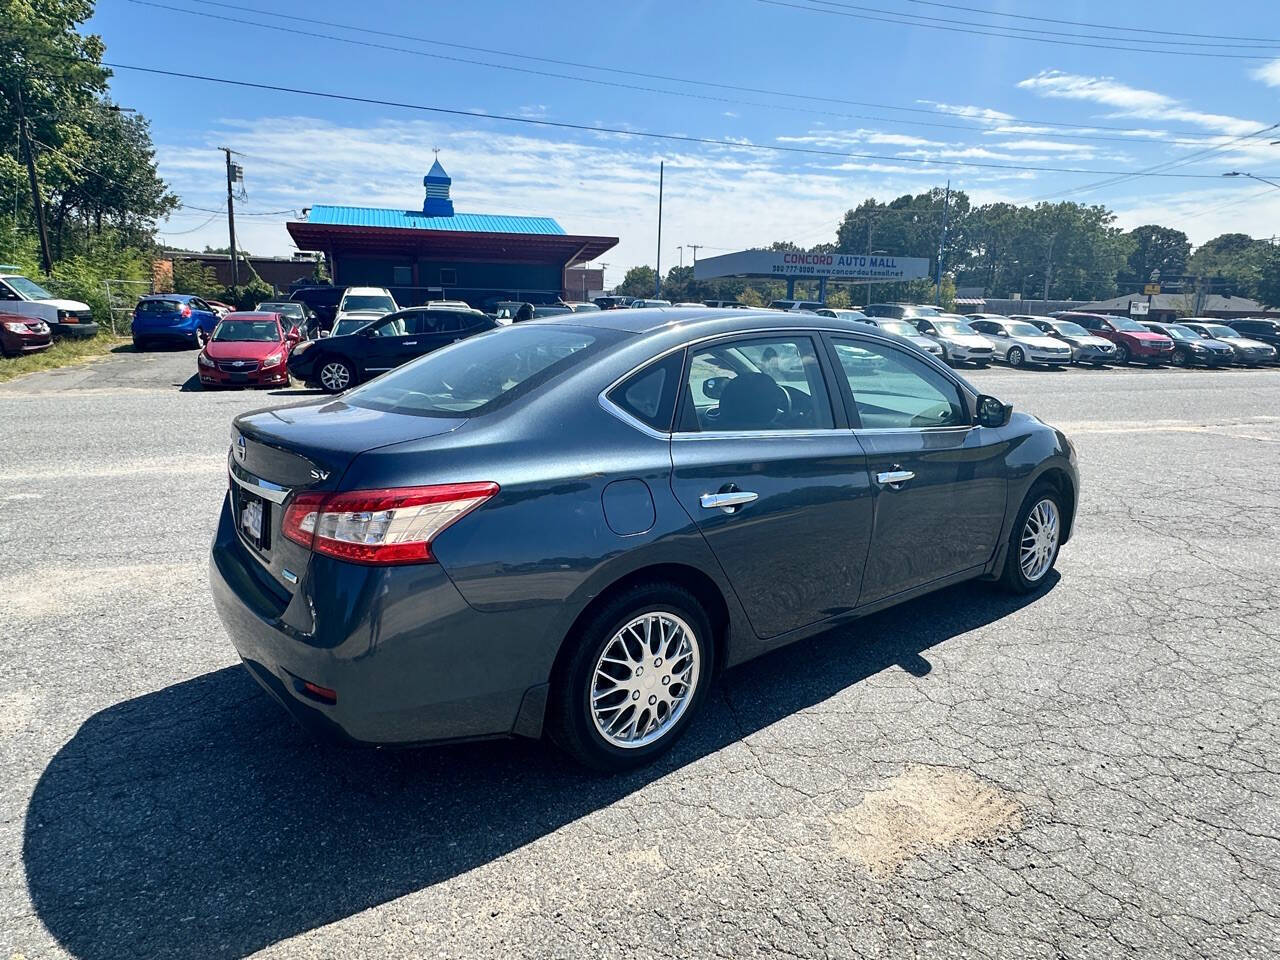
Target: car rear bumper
x=183, y=335
x=410, y=661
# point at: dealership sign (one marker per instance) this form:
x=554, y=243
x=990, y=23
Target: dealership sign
x=796, y=263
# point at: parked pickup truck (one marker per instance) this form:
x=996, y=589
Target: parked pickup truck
x=66, y=318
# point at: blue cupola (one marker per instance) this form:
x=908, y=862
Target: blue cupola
x=437, y=182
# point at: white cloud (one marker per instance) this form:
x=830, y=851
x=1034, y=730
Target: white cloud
x=1130, y=101
x=969, y=111
x=1268, y=73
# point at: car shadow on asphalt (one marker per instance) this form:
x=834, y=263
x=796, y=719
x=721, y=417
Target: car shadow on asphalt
x=197, y=821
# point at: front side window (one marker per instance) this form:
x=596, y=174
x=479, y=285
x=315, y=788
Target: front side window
x=395, y=326
x=765, y=383
x=894, y=391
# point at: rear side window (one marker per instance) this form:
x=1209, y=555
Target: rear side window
x=159, y=306
x=481, y=373
x=649, y=394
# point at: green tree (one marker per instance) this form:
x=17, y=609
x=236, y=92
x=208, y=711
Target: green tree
x=192, y=276
x=639, y=282
x=1268, y=292
x=1156, y=248
x=95, y=165
x=1231, y=263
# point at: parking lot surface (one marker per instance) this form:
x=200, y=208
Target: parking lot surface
x=1088, y=772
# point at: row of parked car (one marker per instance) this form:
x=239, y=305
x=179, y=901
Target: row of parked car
x=1066, y=337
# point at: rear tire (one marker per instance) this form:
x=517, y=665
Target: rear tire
x=1122, y=355
x=583, y=712
x=1032, y=552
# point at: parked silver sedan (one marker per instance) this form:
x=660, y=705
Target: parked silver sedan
x=959, y=341
x=1018, y=342
x=1085, y=347
x=906, y=330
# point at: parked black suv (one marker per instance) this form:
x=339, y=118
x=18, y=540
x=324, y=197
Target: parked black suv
x=1259, y=328
x=336, y=363
x=323, y=301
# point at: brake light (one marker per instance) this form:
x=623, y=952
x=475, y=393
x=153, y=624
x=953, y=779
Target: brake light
x=390, y=526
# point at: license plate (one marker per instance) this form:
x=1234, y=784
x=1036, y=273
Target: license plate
x=251, y=519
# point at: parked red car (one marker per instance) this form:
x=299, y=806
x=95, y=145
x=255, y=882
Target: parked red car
x=19, y=335
x=1133, y=341
x=247, y=349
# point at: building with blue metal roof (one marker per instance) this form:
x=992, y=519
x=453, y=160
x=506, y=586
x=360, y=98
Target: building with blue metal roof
x=437, y=253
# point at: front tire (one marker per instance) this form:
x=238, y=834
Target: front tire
x=1034, y=543
x=636, y=674
x=1015, y=357
x=336, y=375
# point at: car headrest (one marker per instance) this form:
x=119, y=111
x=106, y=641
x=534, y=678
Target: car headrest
x=750, y=400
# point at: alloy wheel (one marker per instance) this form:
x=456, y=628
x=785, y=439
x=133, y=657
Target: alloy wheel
x=1015, y=357
x=1039, y=543
x=335, y=376
x=644, y=679
x=201, y=338
x=1122, y=354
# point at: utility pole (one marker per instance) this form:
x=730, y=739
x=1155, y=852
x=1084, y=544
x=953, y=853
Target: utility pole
x=942, y=241
x=870, y=284
x=681, y=250
x=46, y=260
x=1048, y=268
x=657, y=282
x=231, y=216
x=695, y=247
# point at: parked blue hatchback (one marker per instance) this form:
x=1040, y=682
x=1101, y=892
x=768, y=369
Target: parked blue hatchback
x=172, y=318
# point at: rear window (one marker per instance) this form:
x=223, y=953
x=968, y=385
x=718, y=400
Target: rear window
x=370, y=302
x=479, y=374
x=159, y=306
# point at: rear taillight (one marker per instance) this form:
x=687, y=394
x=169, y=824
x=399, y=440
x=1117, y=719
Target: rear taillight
x=380, y=526
x=186, y=309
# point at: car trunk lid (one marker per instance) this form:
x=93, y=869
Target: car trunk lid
x=277, y=452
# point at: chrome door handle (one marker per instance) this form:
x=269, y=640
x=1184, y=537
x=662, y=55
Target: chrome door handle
x=411, y=343
x=894, y=479
x=728, y=502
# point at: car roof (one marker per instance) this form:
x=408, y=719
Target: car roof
x=247, y=315
x=167, y=296
x=705, y=321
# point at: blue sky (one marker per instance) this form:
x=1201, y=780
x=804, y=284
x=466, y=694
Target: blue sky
x=929, y=103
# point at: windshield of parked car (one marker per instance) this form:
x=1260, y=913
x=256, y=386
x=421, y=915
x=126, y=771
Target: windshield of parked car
x=288, y=309
x=1020, y=328
x=850, y=314
x=1124, y=323
x=1221, y=331
x=917, y=311
x=1179, y=332
x=350, y=325
x=246, y=331
x=478, y=374
x=900, y=327
x=1070, y=329
x=369, y=302
x=28, y=288
x=550, y=311
x=953, y=326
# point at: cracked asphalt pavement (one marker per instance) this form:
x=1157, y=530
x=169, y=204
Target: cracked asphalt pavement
x=1089, y=772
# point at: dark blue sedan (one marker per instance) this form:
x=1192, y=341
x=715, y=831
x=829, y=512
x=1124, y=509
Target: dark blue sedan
x=571, y=525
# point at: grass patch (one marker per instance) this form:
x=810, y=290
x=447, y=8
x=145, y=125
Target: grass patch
x=63, y=353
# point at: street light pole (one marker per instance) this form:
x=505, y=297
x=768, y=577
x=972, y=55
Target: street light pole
x=1237, y=173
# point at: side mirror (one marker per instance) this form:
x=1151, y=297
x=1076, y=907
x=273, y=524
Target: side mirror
x=714, y=386
x=993, y=413
x=324, y=333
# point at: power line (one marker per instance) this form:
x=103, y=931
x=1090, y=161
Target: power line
x=651, y=76
x=619, y=131
x=960, y=26
x=1077, y=23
